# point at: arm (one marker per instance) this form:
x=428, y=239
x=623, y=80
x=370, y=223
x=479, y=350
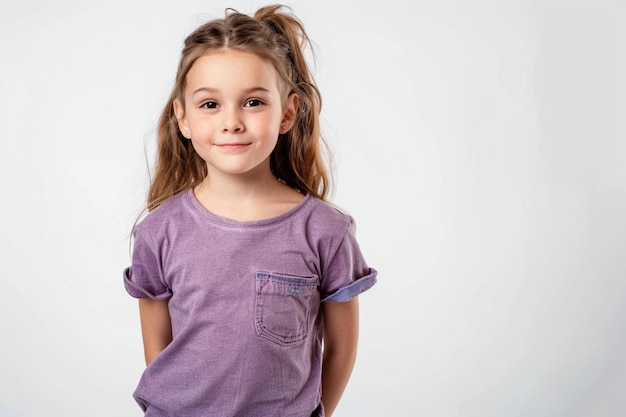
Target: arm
x=341, y=333
x=156, y=327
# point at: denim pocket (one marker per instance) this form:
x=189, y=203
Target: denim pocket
x=283, y=306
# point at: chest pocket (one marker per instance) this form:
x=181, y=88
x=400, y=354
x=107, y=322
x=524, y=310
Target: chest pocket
x=283, y=306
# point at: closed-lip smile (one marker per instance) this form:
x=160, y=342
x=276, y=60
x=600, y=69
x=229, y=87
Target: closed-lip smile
x=232, y=146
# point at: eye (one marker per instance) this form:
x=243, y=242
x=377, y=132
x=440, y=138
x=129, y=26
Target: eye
x=253, y=102
x=209, y=105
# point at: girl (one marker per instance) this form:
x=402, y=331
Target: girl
x=241, y=268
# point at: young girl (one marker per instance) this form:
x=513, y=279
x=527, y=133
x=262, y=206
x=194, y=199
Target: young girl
x=241, y=268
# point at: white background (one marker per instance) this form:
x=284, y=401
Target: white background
x=480, y=146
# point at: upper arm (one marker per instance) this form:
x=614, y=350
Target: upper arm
x=341, y=325
x=156, y=326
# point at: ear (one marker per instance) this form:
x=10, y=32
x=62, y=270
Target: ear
x=289, y=113
x=179, y=112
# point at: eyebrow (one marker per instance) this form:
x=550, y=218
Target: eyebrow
x=217, y=90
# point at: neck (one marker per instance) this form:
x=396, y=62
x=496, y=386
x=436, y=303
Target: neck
x=224, y=187
x=250, y=196
x=256, y=186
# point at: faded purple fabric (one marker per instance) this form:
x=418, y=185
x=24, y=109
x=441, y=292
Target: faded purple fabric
x=244, y=300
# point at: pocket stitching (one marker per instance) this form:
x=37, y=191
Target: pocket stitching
x=265, y=278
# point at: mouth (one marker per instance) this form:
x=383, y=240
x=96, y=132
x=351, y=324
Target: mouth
x=232, y=146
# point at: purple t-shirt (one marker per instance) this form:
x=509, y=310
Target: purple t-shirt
x=244, y=301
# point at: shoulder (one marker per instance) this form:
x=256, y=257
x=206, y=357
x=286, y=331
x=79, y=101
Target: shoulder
x=169, y=213
x=326, y=217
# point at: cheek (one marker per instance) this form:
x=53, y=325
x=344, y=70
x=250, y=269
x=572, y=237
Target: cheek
x=199, y=124
x=269, y=125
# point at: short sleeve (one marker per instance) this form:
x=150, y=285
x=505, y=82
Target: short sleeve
x=144, y=277
x=347, y=275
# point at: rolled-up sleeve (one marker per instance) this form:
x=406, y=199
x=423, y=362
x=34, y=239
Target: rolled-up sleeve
x=144, y=277
x=347, y=275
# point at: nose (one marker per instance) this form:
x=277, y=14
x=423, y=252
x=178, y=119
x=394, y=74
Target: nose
x=232, y=121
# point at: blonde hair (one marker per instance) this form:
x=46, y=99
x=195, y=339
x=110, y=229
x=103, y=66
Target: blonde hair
x=299, y=158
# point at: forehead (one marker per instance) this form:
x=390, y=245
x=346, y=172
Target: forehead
x=231, y=70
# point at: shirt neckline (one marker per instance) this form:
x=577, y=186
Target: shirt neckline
x=225, y=221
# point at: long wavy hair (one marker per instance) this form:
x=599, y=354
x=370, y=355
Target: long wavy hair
x=300, y=156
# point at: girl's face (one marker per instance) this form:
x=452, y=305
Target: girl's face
x=234, y=112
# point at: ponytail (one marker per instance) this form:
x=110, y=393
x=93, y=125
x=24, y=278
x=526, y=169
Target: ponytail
x=300, y=155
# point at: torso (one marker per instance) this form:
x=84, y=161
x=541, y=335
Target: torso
x=244, y=300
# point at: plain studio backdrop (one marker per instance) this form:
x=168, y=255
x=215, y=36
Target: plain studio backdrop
x=480, y=146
